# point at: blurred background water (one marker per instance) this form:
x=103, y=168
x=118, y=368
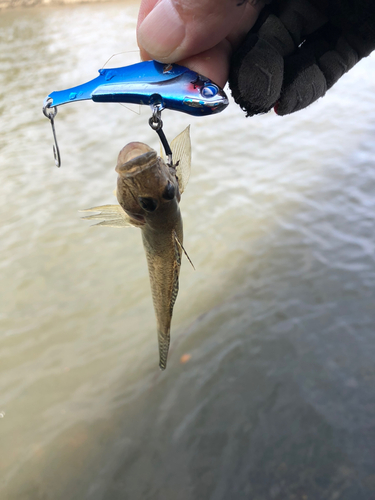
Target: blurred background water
x=269, y=390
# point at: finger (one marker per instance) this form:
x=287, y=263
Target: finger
x=213, y=63
x=172, y=30
x=306, y=84
x=257, y=67
x=318, y=65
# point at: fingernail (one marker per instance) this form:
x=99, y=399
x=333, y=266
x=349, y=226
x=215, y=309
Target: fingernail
x=162, y=31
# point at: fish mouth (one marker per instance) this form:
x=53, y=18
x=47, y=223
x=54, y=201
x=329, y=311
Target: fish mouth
x=137, y=217
x=138, y=164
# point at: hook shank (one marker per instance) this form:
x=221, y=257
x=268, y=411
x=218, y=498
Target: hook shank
x=50, y=113
x=156, y=124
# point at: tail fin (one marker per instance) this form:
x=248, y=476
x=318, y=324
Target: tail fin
x=164, y=340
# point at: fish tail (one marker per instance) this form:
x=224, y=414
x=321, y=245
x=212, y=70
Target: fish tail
x=164, y=340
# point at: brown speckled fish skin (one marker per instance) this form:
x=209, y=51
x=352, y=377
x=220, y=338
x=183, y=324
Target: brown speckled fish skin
x=142, y=175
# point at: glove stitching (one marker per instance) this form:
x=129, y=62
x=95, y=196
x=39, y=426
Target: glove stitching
x=268, y=75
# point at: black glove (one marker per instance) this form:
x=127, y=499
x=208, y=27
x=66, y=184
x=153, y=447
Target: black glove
x=297, y=50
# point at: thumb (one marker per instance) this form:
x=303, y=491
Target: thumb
x=172, y=30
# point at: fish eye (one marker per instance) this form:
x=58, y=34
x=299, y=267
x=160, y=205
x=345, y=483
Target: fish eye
x=148, y=204
x=169, y=191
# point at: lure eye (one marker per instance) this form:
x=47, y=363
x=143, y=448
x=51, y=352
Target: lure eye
x=169, y=191
x=148, y=204
x=209, y=90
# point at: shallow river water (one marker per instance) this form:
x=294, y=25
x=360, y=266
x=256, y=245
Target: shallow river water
x=269, y=390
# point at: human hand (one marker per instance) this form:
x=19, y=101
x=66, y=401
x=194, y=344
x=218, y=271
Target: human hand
x=298, y=50
x=199, y=34
x=295, y=52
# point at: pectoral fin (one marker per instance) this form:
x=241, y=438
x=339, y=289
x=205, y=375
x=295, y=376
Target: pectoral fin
x=113, y=215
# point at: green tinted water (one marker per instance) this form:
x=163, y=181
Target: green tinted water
x=276, y=400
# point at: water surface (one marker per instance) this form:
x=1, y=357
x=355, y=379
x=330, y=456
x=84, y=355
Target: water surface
x=276, y=400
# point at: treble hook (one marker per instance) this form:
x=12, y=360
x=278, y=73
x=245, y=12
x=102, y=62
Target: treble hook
x=156, y=124
x=50, y=113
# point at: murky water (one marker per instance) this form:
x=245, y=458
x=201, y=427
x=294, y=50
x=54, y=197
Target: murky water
x=276, y=399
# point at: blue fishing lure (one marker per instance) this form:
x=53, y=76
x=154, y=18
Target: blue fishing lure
x=162, y=86
x=169, y=86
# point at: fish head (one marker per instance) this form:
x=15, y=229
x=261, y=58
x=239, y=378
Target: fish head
x=145, y=184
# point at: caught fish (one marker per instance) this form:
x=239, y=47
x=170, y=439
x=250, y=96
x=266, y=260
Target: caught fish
x=149, y=191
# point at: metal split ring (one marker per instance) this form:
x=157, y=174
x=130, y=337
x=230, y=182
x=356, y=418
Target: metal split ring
x=49, y=112
x=155, y=121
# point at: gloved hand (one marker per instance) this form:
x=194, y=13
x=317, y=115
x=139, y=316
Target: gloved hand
x=297, y=50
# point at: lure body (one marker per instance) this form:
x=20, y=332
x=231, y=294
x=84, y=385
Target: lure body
x=151, y=83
